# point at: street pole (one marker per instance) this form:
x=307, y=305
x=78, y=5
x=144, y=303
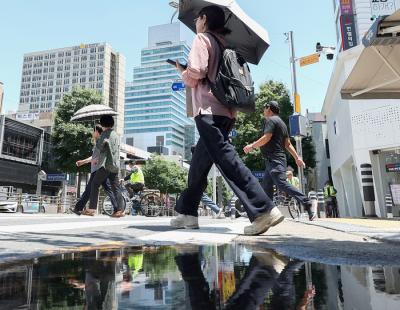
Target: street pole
x=296, y=103
x=214, y=180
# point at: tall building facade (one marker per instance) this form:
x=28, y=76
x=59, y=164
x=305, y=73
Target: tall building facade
x=1, y=96
x=155, y=115
x=361, y=133
x=47, y=75
x=20, y=154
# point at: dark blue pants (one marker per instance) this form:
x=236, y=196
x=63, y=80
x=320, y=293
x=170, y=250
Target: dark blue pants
x=80, y=205
x=214, y=147
x=102, y=175
x=275, y=173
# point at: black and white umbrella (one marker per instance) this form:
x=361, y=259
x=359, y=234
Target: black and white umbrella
x=92, y=112
x=247, y=37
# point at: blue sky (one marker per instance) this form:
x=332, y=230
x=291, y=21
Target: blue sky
x=35, y=25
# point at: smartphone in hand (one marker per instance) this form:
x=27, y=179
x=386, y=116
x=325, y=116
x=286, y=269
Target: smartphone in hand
x=173, y=63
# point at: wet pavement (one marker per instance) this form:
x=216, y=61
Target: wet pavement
x=231, y=276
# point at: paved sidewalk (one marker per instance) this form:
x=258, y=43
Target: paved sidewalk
x=381, y=229
x=330, y=241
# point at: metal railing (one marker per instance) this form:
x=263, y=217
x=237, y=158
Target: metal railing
x=30, y=203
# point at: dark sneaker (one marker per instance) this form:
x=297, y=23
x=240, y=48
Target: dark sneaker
x=77, y=212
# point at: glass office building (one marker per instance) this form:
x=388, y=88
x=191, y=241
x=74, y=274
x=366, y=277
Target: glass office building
x=155, y=115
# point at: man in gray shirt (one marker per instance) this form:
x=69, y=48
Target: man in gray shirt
x=272, y=144
x=80, y=205
x=108, y=147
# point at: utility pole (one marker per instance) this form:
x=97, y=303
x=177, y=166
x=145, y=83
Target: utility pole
x=296, y=103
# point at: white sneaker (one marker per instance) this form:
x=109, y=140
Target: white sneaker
x=185, y=221
x=262, y=223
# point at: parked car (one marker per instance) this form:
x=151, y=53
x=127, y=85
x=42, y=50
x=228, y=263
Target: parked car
x=8, y=206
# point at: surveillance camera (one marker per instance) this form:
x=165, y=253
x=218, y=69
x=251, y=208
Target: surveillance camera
x=329, y=52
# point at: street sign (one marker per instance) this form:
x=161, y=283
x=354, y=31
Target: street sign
x=56, y=177
x=258, y=174
x=309, y=59
x=298, y=125
x=178, y=85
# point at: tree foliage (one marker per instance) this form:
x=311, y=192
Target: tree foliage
x=72, y=141
x=249, y=127
x=166, y=176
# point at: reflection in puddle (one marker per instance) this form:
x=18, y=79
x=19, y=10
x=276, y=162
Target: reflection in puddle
x=193, y=277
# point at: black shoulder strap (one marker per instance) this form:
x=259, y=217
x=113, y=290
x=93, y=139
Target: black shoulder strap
x=221, y=48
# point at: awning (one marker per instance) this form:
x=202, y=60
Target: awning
x=376, y=75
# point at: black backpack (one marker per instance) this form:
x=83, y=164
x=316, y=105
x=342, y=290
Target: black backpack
x=233, y=86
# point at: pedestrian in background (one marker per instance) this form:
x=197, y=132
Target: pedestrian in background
x=94, y=166
x=214, y=121
x=274, y=141
x=108, y=147
x=136, y=179
x=330, y=200
x=292, y=180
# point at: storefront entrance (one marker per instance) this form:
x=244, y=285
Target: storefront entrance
x=389, y=175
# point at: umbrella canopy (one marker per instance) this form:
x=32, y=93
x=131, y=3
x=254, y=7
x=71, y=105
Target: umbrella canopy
x=92, y=111
x=247, y=37
x=376, y=75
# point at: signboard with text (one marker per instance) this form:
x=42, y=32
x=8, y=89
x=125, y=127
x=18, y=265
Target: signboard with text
x=393, y=167
x=346, y=7
x=395, y=191
x=382, y=7
x=178, y=85
x=348, y=28
x=56, y=177
x=309, y=59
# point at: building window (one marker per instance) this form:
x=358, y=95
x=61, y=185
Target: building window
x=129, y=141
x=335, y=128
x=327, y=148
x=159, y=140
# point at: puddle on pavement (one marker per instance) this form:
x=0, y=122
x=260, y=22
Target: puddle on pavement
x=193, y=277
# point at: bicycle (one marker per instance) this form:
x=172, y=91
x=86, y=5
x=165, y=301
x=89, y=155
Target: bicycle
x=289, y=202
x=146, y=202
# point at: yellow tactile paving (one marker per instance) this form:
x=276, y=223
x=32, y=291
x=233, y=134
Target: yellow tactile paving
x=381, y=224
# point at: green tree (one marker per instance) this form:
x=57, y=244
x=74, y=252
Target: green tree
x=72, y=141
x=166, y=176
x=249, y=126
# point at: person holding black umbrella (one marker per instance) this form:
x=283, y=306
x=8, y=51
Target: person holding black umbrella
x=214, y=122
